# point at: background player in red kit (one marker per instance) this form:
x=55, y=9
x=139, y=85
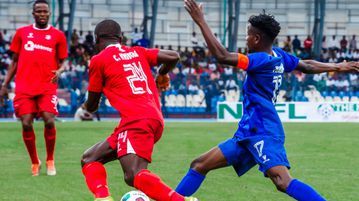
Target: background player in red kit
x=39, y=52
x=123, y=74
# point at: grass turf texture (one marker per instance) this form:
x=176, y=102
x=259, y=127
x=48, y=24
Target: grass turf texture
x=323, y=155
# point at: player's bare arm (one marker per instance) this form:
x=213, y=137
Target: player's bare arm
x=314, y=67
x=10, y=74
x=58, y=72
x=216, y=48
x=168, y=59
x=93, y=101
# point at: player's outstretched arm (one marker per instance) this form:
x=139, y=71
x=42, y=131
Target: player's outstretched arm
x=314, y=67
x=93, y=101
x=216, y=48
x=168, y=59
x=10, y=74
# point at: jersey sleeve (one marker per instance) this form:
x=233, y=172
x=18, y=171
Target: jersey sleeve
x=151, y=56
x=95, y=76
x=257, y=60
x=290, y=61
x=62, y=47
x=243, y=61
x=16, y=43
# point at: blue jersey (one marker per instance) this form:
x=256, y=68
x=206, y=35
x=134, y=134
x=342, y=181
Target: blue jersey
x=260, y=90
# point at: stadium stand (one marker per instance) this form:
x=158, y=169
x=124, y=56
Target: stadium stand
x=198, y=82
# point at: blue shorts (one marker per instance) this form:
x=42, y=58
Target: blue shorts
x=243, y=154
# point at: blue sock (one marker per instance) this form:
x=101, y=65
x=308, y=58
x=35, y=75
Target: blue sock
x=303, y=192
x=190, y=183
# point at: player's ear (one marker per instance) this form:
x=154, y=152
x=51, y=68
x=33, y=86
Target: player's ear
x=257, y=38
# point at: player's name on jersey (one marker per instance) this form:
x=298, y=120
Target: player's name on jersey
x=125, y=56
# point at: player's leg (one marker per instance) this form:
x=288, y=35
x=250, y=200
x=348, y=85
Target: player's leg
x=227, y=153
x=270, y=155
x=135, y=146
x=25, y=108
x=47, y=104
x=29, y=138
x=285, y=183
x=50, y=140
x=199, y=167
x=94, y=170
x=137, y=175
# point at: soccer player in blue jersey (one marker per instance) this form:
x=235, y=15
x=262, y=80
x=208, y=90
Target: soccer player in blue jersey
x=259, y=138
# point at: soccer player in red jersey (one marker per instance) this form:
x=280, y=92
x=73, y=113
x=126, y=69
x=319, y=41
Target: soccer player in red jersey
x=123, y=74
x=39, y=52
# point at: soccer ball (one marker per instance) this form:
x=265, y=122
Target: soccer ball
x=135, y=196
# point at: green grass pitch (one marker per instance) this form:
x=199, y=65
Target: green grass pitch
x=323, y=155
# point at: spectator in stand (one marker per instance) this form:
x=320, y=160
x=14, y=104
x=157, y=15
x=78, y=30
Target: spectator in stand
x=349, y=55
x=6, y=37
x=135, y=36
x=193, y=88
x=308, y=43
x=343, y=44
x=324, y=43
x=287, y=44
x=89, y=38
x=197, y=45
x=341, y=55
x=356, y=55
x=353, y=43
x=231, y=85
x=333, y=57
x=143, y=42
x=325, y=55
x=296, y=43
x=228, y=72
x=194, y=40
x=333, y=43
x=81, y=37
x=74, y=38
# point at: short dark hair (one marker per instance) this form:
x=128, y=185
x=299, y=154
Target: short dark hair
x=108, y=29
x=266, y=24
x=39, y=1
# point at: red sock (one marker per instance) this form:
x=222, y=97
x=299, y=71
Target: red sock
x=29, y=140
x=95, y=175
x=154, y=187
x=50, y=138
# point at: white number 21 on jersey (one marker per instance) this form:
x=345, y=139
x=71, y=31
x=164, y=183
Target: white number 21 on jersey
x=137, y=76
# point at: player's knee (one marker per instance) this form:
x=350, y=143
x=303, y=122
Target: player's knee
x=86, y=158
x=130, y=174
x=281, y=186
x=49, y=123
x=281, y=183
x=198, y=165
x=27, y=125
x=129, y=177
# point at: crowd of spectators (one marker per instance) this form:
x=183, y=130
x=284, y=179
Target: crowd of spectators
x=198, y=71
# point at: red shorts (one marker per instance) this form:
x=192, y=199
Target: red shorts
x=25, y=104
x=136, y=137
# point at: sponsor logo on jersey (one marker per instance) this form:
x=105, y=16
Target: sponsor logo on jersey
x=125, y=56
x=279, y=69
x=31, y=46
x=48, y=37
x=31, y=35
